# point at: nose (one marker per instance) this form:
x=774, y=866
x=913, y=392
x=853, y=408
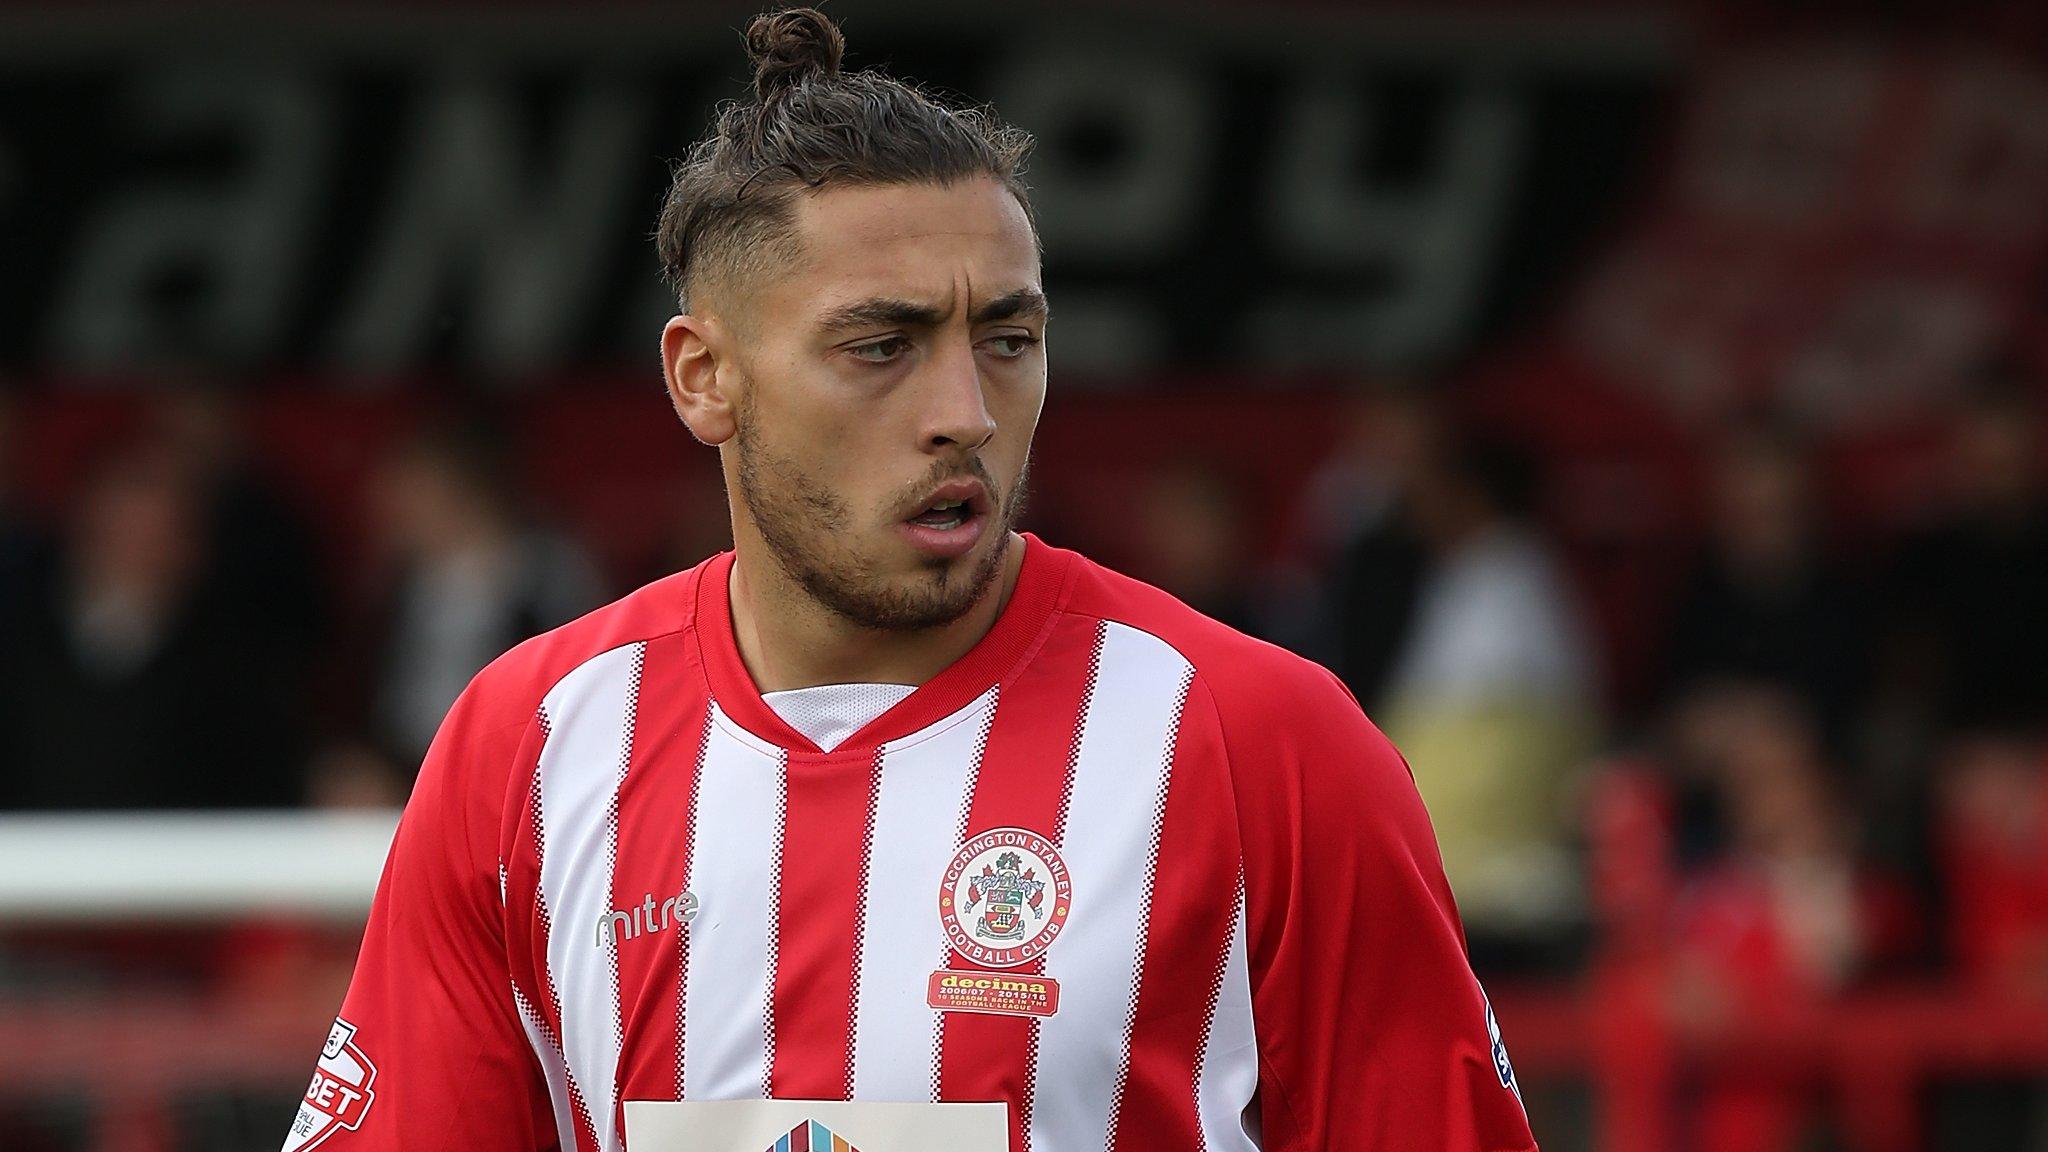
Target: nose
x=956, y=413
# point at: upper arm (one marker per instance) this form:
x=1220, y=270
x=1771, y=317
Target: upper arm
x=1368, y=1017
x=429, y=1051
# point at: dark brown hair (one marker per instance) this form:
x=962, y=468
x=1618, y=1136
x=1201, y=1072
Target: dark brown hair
x=810, y=126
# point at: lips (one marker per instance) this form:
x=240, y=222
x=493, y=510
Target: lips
x=949, y=520
x=952, y=504
x=943, y=514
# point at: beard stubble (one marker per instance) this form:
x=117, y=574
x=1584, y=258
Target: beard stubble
x=804, y=525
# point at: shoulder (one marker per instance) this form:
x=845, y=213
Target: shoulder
x=512, y=688
x=469, y=780
x=1263, y=695
x=479, y=741
x=1311, y=778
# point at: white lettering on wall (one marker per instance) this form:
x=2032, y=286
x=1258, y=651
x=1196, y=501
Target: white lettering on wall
x=1432, y=238
x=521, y=240
x=179, y=267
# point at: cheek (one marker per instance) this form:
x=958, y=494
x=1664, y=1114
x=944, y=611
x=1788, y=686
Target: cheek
x=843, y=461
x=812, y=419
x=1024, y=394
x=1016, y=415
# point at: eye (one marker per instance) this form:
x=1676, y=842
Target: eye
x=881, y=351
x=1010, y=345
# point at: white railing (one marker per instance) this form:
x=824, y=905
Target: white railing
x=190, y=866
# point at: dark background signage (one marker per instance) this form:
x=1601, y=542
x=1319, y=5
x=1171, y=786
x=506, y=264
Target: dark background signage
x=470, y=190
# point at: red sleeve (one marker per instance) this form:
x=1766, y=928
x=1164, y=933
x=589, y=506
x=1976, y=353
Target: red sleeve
x=1373, y=1032
x=429, y=1052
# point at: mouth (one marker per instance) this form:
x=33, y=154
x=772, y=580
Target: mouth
x=950, y=519
x=944, y=515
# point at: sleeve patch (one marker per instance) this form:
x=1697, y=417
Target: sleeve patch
x=340, y=1094
x=1502, y=1066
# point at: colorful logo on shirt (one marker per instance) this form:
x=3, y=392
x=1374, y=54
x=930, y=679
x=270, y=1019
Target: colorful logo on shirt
x=810, y=1136
x=340, y=1094
x=1005, y=897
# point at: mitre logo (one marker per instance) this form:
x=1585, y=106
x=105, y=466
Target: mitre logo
x=646, y=916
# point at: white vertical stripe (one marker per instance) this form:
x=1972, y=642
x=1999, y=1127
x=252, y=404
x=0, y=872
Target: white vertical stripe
x=1110, y=850
x=1151, y=884
x=591, y=713
x=552, y=1068
x=690, y=810
x=1227, y=1071
x=924, y=785
x=733, y=873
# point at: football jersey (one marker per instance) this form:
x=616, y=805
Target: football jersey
x=1141, y=880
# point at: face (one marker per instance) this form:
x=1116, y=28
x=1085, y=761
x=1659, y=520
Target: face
x=880, y=394
x=139, y=531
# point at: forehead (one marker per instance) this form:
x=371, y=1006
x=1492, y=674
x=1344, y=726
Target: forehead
x=949, y=245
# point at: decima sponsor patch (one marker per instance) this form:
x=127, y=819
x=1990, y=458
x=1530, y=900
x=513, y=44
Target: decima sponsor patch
x=998, y=993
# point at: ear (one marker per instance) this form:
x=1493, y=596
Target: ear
x=694, y=349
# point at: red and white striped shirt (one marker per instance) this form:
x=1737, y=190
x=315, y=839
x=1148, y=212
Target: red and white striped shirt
x=1145, y=881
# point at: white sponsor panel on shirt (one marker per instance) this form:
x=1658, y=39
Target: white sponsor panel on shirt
x=758, y=1125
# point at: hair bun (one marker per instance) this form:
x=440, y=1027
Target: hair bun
x=790, y=47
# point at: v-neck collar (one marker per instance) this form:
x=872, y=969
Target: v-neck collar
x=1040, y=581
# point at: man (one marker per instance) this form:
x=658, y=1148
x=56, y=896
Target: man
x=892, y=823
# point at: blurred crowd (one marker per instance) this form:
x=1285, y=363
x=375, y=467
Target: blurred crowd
x=1849, y=731
x=178, y=641
x=1846, y=729
x=1684, y=696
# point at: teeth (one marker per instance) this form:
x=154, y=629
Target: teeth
x=947, y=505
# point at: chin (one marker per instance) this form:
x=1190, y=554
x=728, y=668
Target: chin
x=966, y=563
x=945, y=588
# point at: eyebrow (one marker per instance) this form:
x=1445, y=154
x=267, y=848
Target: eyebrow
x=1022, y=302
x=909, y=313
x=866, y=313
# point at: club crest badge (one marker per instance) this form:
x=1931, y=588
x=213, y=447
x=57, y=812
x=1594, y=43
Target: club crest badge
x=1005, y=897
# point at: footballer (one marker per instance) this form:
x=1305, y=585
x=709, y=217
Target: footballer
x=894, y=828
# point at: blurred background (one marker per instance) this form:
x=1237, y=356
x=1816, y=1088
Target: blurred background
x=1641, y=407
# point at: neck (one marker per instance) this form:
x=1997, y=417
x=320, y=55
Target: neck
x=788, y=640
